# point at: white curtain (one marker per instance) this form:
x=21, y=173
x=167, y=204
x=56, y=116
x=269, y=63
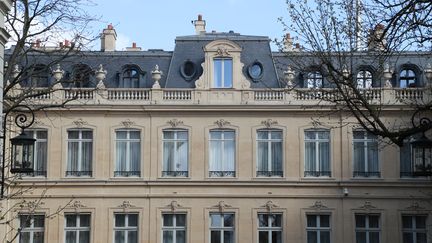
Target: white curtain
x=222, y=151
x=263, y=150
x=121, y=147
x=324, y=156
x=87, y=154
x=168, y=156
x=310, y=154
x=72, y=156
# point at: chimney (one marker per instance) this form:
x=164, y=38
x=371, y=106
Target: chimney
x=376, y=40
x=108, y=39
x=288, y=43
x=133, y=48
x=199, y=25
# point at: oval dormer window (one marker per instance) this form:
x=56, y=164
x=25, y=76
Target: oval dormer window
x=255, y=71
x=188, y=70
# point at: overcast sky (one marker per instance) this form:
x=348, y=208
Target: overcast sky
x=155, y=24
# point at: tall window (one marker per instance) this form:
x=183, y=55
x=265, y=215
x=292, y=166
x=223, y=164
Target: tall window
x=414, y=163
x=364, y=79
x=317, y=153
x=223, y=73
x=77, y=228
x=269, y=228
x=174, y=228
x=80, y=152
x=269, y=153
x=314, y=80
x=128, y=153
x=81, y=76
x=365, y=154
x=40, y=150
x=222, y=153
x=318, y=228
x=175, y=153
x=131, y=78
x=125, y=228
x=222, y=228
x=367, y=228
x=39, y=76
x=414, y=229
x=32, y=228
x=407, y=78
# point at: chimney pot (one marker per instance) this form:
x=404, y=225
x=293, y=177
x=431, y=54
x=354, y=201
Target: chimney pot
x=133, y=44
x=110, y=27
x=297, y=45
x=199, y=17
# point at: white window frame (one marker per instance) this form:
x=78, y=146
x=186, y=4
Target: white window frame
x=222, y=72
x=414, y=230
x=80, y=142
x=318, y=229
x=175, y=140
x=269, y=229
x=269, y=140
x=127, y=228
x=367, y=229
x=78, y=228
x=316, y=140
x=128, y=142
x=222, y=141
x=222, y=228
x=32, y=229
x=366, y=140
x=312, y=79
x=36, y=150
x=174, y=229
x=364, y=79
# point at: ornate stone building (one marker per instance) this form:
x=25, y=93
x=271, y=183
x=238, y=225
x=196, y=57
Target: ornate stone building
x=218, y=141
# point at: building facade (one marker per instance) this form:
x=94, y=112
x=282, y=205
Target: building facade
x=212, y=142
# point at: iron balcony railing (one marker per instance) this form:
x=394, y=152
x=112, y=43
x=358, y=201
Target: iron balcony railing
x=317, y=173
x=222, y=173
x=78, y=173
x=127, y=173
x=177, y=173
x=265, y=173
x=367, y=174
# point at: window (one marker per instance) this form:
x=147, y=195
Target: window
x=222, y=153
x=223, y=73
x=269, y=153
x=317, y=153
x=81, y=76
x=125, y=228
x=32, y=228
x=414, y=229
x=77, y=228
x=80, y=153
x=269, y=228
x=39, y=76
x=175, y=153
x=40, y=152
x=188, y=70
x=367, y=228
x=365, y=155
x=364, y=79
x=128, y=153
x=255, y=71
x=222, y=228
x=314, y=80
x=407, y=78
x=131, y=78
x=318, y=228
x=174, y=228
x=415, y=162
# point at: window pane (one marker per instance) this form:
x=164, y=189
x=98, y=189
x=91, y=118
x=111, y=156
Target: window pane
x=84, y=237
x=374, y=237
x=71, y=220
x=215, y=220
x=39, y=221
x=312, y=237
x=263, y=220
x=133, y=219
x=421, y=238
x=73, y=134
x=407, y=238
x=217, y=73
x=180, y=236
x=262, y=135
x=407, y=222
x=215, y=236
x=311, y=220
x=276, y=237
x=71, y=237
x=84, y=220
x=227, y=73
x=215, y=135
x=168, y=134
x=168, y=237
x=119, y=237
x=228, y=237
x=25, y=237
x=324, y=220
x=373, y=221
x=360, y=221
x=168, y=220
x=263, y=237
x=276, y=220
x=325, y=237
x=181, y=220
x=228, y=220
x=121, y=134
x=229, y=135
x=119, y=220
x=361, y=237
x=182, y=135
x=420, y=222
x=132, y=237
x=87, y=134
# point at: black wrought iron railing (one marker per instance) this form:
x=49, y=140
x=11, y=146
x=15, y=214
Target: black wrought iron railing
x=317, y=173
x=127, y=173
x=175, y=173
x=78, y=173
x=276, y=173
x=36, y=173
x=415, y=174
x=222, y=173
x=367, y=174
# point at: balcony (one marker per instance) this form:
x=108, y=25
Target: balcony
x=366, y=174
x=269, y=173
x=72, y=173
x=222, y=173
x=317, y=174
x=127, y=173
x=170, y=173
x=250, y=97
x=37, y=173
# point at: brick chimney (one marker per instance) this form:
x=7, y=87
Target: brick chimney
x=133, y=48
x=108, y=39
x=199, y=25
x=376, y=40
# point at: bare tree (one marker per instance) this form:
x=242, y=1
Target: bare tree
x=335, y=41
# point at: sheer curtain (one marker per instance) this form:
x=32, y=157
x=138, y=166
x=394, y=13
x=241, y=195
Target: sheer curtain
x=359, y=157
x=269, y=152
x=175, y=150
x=222, y=151
x=310, y=154
x=121, y=147
x=72, y=156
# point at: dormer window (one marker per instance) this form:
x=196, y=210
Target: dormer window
x=314, y=80
x=81, y=76
x=407, y=78
x=39, y=76
x=364, y=79
x=223, y=73
x=131, y=78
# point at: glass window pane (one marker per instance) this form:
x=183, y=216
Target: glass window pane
x=361, y=237
x=71, y=220
x=134, y=134
x=167, y=237
x=168, y=134
x=420, y=222
x=325, y=237
x=24, y=237
x=215, y=220
x=228, y=237
x=373, y=221
x=39, y=221
x=42, y=134
x=407, y=237
x=263, y=237
x=276, y=220
x=312, y=237
x=407, y=222
x=262, y=220
x=215, y=236
x=168, y=220
x=421, y=238
x=133, y=219
x=262, y=135
x=217, y=73
x=119, y=220
x=374, y=237
x=121, y=134
x=182, y=135
x=119, y=237
x=276, y=237
x=360, y=221
x=325, y=220
x=228, y=220
x=215, y=135
x=228, y=73
x=132, y=237
x=87, y=134
x=84, y=237
x=311, y=220
x=276, y=135
x=181, y=220
x=84, y=220
x=71, y=237
x=180, y=236
x=73, y=134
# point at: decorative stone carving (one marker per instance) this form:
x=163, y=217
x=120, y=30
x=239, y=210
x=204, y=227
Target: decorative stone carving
x=318, y=205
x=270, y=206
x=156, y=76
x=367, y=206
x=222, y=206
x=221, y=123
x=126, y=204
x=127, y=123
x=415, y=207
x=31, y=205
x=80, y=123
x=174, y=123
x=269, y=123
x=77, y=205
x=174, y=206
x=58, y=73
x=222, y=52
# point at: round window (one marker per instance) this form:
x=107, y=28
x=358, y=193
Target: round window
x=188, y=70
x=255, y=71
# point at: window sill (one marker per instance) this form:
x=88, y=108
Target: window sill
x=318, y=178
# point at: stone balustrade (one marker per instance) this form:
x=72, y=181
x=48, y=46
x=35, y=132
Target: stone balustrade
x=299, y=96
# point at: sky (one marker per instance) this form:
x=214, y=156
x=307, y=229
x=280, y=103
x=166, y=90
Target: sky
x=154, y=24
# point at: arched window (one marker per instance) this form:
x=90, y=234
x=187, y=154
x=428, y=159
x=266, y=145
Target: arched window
x=407, y=78
x=39, y=76
x=364, y=79
x=130, y=78
x=314, y=80
x=81, y=76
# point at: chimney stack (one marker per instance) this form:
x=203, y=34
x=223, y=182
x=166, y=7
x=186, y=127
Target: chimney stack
x=199, y=25
x=377, y=41
x=133, y=48
x=288, y=43
x=108, y=39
